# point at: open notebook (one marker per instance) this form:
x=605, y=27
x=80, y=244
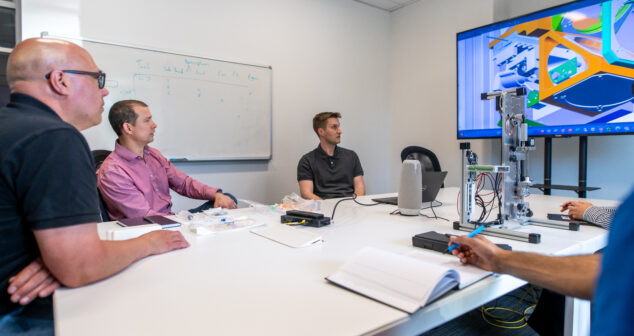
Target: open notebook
x=407, y=282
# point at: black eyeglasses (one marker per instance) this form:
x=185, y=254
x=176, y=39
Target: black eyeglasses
x=100, y=76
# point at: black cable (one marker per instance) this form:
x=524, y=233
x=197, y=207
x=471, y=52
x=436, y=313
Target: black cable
x=493, y=186
x=481, y=185
x=364, y=204
x=498, y=180
x=354, y=198
x=490, y=211
x=431, y=206
x=480, y=202
x=332, y=217
x=491, y=180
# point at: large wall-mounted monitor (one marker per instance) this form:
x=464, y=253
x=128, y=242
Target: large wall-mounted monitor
x=576, y=62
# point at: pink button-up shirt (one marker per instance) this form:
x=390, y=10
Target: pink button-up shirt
x=134, y=186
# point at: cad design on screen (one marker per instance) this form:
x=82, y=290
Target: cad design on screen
x=576, y=62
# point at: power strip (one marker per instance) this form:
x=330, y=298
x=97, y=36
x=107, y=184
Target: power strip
x=308, y=218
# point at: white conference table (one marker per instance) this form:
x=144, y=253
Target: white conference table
x=240, y=283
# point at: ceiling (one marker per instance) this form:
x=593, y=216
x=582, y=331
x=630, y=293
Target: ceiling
x=387, y=5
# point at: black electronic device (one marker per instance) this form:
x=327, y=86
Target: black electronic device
x=305, y=218
x=163, y=221
x=431, y=240
x=559, y=217
x=573, y=224
x=564, y=217
x=439, y=242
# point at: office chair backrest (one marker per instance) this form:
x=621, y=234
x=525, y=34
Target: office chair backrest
x=427, y=158
x=99, y=156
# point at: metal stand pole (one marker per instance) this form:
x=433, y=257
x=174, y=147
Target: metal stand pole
x=548, y=164
x=583, y=165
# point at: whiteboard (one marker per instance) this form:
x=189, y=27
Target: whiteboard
x=205, y=109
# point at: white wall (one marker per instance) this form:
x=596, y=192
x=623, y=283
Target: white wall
x=393, y=76
x=327, y=55
x=506, y=9
x=423, y=79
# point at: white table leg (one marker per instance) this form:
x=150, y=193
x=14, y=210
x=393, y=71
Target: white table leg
x=577, y=317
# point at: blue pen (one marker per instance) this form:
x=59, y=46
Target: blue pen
x=470, y=235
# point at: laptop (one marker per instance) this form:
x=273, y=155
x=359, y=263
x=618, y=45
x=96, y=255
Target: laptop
x=431, y=185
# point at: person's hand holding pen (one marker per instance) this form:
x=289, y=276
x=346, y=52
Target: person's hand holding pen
x=576, y=209
x=478, y=251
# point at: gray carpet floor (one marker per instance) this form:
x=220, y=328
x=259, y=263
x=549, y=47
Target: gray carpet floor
x=472, y=322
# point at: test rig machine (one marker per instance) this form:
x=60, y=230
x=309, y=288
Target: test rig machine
x=511, y=183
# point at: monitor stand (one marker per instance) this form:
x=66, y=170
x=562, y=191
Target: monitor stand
x=581, y=188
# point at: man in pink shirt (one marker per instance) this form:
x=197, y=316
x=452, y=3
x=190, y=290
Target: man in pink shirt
x=135, y=178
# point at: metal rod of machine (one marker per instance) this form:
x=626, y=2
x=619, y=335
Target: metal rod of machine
x=464, y=147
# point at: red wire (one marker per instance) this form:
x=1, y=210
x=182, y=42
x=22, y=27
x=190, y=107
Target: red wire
x=479, y=179
x=457, y=203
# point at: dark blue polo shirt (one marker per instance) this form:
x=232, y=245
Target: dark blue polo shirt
x=47, y=180
x=332, y=176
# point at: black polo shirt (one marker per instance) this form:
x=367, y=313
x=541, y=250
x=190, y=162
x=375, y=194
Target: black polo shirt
x=47, y=180
x=332, y=176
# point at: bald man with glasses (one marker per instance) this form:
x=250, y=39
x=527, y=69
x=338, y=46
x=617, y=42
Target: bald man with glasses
x=48, y=188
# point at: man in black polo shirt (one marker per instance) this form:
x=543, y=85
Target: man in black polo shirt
x=329, y=171
x=48, y=187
